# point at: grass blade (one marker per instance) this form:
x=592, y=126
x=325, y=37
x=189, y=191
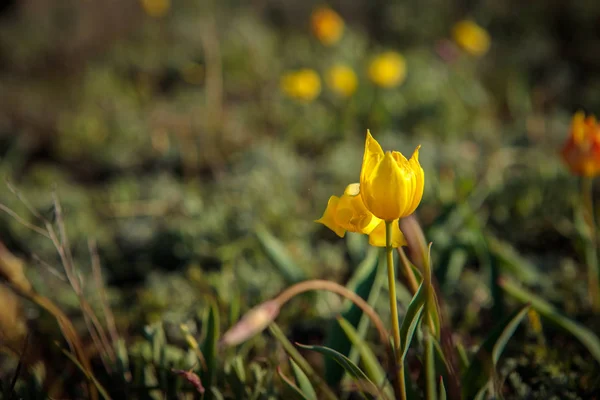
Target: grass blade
x=511, y=261
x=442, y=394
x=583, y=334
x=209, y=349
x=361, y=283
x=371, y=365
x=352, y=369
x=97, y=384
x=303, y=381
x=300, y=361
x=483, y=364
x=279, y=255
x=291, y=385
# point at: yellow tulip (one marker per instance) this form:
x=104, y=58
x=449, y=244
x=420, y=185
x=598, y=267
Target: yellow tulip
x=326, y=25
x=348, y=213
x=471, y=37
x=388, y=69
x=304, y=84
x=342, y=80
x=391, y=186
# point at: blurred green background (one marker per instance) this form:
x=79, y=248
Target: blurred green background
x=163, y=128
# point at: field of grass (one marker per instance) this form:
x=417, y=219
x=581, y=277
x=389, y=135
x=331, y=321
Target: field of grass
x=163, y=163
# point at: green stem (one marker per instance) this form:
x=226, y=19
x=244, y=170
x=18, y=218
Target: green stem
x=591, y=247
x=394, y=308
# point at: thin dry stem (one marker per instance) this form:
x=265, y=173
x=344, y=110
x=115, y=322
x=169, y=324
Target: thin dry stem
x=318, y=284
x=97, y=272
x=23, y=200
x=92, y=322
x=49, y=267
x=22, y=221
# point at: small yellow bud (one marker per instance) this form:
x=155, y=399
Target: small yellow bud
x=471, y=37
x=303, y=85
x=342, y=80
x=326, y=25
x=388, y=69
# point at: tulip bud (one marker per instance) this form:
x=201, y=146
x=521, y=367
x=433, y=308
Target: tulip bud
x=254, y=322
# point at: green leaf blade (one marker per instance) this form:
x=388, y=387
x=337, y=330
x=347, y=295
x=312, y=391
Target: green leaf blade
x=482, y=366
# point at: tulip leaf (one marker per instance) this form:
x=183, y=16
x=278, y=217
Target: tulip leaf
x=300, y=361
x=209, y=349
x=352, y=369
x=215, y=393
x=298, y=393
x=482, y=393
x=490, y=263
x=369, y=361
x=236, y=374
x=303, y=381
x=443, y=368
x=91, y=377
x=430, y=386
x=411, y=320
x=583, y=334
x=431, y=302
x=363, y=283
x=279, y=256
x=509, y=260
x=483, y=363
x=463, y=359
x=442, y=395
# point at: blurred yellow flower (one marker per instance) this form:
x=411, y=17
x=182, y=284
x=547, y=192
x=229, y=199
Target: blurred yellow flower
x=348, y=213
x=326, y=25
x=471, y=37
x=391, y=186
x=304, y=84
x=156, y=8
x=581, y=151
x=342, y=80
x=388, y=69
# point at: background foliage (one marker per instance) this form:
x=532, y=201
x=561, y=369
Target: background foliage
x=162, y=128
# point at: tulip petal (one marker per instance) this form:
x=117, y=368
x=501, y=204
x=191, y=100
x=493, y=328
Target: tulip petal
x=387, y=188
x=372, y=156
x=328, y=218
x=419, y=181
x=351, y=213
x=352, y=189
x=405, y=204
x=377, y=237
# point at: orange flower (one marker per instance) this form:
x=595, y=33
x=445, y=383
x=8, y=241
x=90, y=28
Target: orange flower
x=326, y=25
x=581, y=151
